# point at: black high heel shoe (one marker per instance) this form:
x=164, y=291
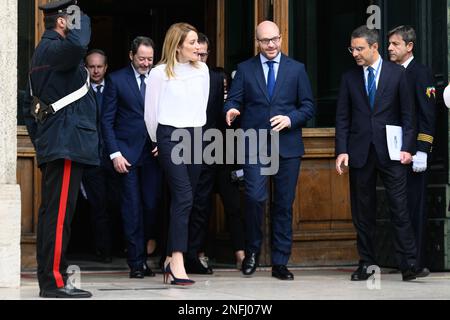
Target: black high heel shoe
x=176, y=282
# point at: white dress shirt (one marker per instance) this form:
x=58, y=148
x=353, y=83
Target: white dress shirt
x=179, y=102
x=408, y=62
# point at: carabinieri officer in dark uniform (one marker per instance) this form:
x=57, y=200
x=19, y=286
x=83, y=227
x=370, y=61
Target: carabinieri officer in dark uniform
x=61, y=117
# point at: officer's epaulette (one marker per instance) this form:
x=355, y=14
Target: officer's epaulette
x=425, y=138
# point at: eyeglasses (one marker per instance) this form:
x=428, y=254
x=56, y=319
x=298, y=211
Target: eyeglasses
x=357, y=49
x=203, y=55
x=274, y=40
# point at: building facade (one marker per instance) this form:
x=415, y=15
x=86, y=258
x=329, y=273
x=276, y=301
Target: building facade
x=315, y=32
x=10, y=206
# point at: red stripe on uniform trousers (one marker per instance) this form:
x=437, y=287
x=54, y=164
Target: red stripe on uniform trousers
x=60, y=223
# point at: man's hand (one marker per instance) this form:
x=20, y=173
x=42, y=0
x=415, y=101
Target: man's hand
x=279, y=123
x=121, y=165
x=232, y=114
x=420, y=162
x=405, y=158
x=342, y=159
x=155, y=152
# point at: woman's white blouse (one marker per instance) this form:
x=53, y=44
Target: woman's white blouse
x=179, y=102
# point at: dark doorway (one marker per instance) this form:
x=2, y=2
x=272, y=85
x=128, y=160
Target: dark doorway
x=116, y=23
x=319, y=38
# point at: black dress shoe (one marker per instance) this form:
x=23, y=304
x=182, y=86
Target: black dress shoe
x=195, y=266
x=281, y=272
x=65, y=293
x=423, y=273
x=413, y=272
x=361, y=273
x=409, y=275
x=147, y=271
x=249, y=264
x=137, y=274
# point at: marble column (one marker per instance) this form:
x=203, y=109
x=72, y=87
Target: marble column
x=448, y=64
x=10, y=205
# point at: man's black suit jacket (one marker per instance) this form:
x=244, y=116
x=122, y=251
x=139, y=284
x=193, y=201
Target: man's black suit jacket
x=357, y=126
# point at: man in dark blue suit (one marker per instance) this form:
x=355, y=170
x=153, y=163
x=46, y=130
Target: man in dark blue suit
x=129, y=146
x=401, y=51
x=271, y=92
x=372, y=95
x=96, y=180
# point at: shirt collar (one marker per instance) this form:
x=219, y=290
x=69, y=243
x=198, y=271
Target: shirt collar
x=277, y=59
x=137, y=75
x=95, y=85
x=376, y=65
x=408, y=62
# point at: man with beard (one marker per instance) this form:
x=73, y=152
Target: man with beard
x=130, y=149
x=61, y=116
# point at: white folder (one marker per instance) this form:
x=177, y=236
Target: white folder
x=394, y=135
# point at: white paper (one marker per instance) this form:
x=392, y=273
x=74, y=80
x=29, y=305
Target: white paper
x=394, y=135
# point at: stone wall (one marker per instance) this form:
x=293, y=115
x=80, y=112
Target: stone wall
x=448, y=65
x=10, y=222
x=448, y=140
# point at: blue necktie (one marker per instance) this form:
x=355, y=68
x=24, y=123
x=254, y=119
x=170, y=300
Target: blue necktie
x=143, y=86
x=270, y=79
x=371, y=87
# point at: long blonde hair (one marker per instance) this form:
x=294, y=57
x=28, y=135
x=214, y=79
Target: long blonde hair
x=175, y=37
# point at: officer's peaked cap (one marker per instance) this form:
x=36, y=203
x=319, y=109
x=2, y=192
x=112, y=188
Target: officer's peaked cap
x=57, y=7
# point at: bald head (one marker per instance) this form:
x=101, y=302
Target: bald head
x=97, y=64
x=269, y=39
x=266, y=28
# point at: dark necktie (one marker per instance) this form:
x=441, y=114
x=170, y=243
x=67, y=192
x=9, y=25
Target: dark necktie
x=99, y=95
x=143, y=86
x=270, y=78
x=99, y=99
x=371, y=87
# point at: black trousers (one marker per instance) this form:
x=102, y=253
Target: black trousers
x=363, y=200
x=218, y=176
x=60, y=185
x=417, y=197
x=96, y=181
x=182, y=180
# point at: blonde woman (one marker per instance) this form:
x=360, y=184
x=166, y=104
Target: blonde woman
x=176, y=98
